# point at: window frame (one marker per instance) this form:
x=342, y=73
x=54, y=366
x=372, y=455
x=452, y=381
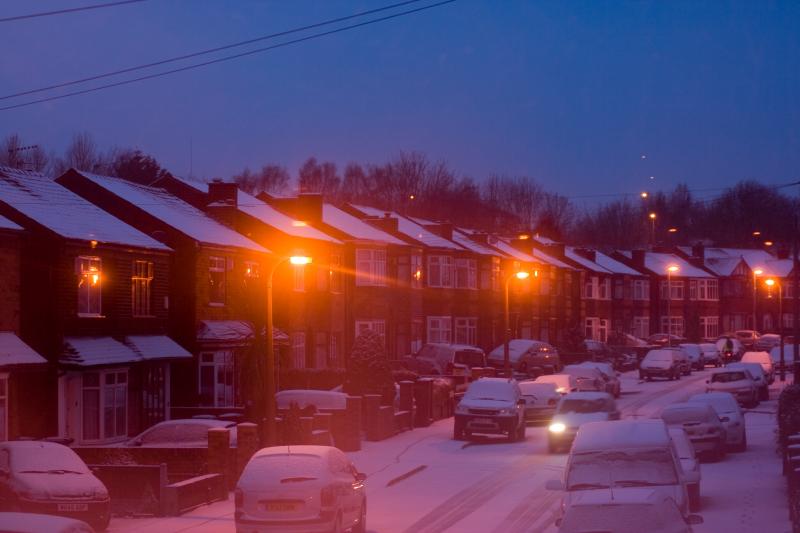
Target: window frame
x=101, y=389
x=465, y=330
x=83, y=269
x=217, y=264
x=221, y=361
x=370, y=267
x=443, y=334
x=141, y=288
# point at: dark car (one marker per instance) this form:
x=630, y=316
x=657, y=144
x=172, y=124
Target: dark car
x=49, y=478
x=447, y=359
x=491, y=406
x=662, y=339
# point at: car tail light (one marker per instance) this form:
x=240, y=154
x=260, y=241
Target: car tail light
x=238, y=497
x=327, y=497
x=551, y=401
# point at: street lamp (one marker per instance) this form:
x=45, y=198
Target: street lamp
x=757, y=272
x=670, y=270
x=770, y=282
x=522, y=274
x=652, y=217
x=296, y=260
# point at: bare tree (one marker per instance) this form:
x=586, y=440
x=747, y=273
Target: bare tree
x=318, y=177
x=83, y=154
x=10, y=151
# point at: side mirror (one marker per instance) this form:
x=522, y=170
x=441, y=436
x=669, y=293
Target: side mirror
x=554, y=484
x=360, y=476
x=694, y=519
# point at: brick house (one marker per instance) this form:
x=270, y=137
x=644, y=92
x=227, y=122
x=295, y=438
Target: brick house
x=94, y=305
x=215, y=292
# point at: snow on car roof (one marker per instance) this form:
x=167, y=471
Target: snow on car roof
x=46, y=202
x=15, y=352
x=559, y=379
x=531, y=387
x=42, y=455
x=517, y=347
x=620, y=434
x=306, y=449
x=267, y=214
x=355, y=227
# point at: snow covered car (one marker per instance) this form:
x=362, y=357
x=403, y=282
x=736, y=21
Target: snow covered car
x=589, y=379
x=747, y=337
x=41, y=523
x=540, y=401
x=764, y=360
x=701, y=424
x=302, y=489
x=660, y=363
x=662, y=339
x=637, y=512
x=767, y=342
x=613, y=384
x=759, y=377
x=730, y=414
x=491, y=406
x=695, y=354
x=49, y=478
x=711, y=354
x=564, y=383
x=527, y=355
x=575, y=409
x=738, y=382
x=182, y=433
x=448, y=359
x=689, y=465
x=626, y=457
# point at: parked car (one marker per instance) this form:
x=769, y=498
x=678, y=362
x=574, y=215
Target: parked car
x=711, y=354
x=695, y=353
x=634, y=513
x=575, y=409
x=527, y=356
x=622, y=456
x=540, y=401
x=738, y=382
x=613, y=384
x=41, y=523
x=661, y=363
x=300, y=488
x=49, y=478
x=448, y=359
x=767, y=342
x=747, y=337
x=589, y=379
x=764, y=360
x=701, y=424
x=181, y=433
x=684, y=361
x=564, y=383
x=689, y=465
x=730, y=347
x=491, y=406
x=788, y=356
x=759, y=377
x=602, y=352
x=730, y=414
x=662, y=339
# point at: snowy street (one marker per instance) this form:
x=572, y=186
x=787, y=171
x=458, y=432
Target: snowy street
x=494, y=486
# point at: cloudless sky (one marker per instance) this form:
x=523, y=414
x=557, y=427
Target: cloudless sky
x=570, y=93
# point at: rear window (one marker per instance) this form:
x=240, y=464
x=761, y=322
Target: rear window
x=659, y=356
x=284, y=468
x=470, y=358
x=679, y=416
x=727, y=377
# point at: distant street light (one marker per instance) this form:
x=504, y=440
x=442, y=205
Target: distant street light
x=670, y=270
x=673, y=230
x=756, y=233
x=644, y=195
x=756, y=272
x=522, y=274
x=770, y=283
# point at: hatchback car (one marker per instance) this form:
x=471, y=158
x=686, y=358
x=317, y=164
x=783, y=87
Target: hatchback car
x=759, y=377
x=711, y=354
x=661, y=363
x=540, y=401
x=613, y=384
x=695, y=353
x=766, y=342
x=702, y=425
x=689, y=464
x=300, y=488
x=491, y=406
x=730, y=414
x=181, y=433
x=738, y=382
x=747, y=337
x=527, y=356
x=589, y=378
x=448, y=359
x=50, y=478
x=575, y=409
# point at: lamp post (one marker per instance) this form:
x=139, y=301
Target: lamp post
x=770, y=282
x=296, y=260
x=652, y=217
x=522, y=274
x=756, y=272
x=670, y=270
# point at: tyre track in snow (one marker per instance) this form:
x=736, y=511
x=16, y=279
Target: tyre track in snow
x=528, y=511
x=632, y=408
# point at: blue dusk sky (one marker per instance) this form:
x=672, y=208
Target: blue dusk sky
x=571, y=93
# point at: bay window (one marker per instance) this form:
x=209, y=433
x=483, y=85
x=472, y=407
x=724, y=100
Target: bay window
x=440, y=271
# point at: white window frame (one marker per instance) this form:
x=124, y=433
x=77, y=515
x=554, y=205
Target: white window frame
x=439, y=329
x=5, y=405
x=641, y=327
x=440, y=271
x=466, y=330
x=298, y=349
x=90, y=280
x=673, y=325
x=217, y=264
x=376, y=325
x=597, y=328
x=223, y=364
x=119, y=390
x=604, y=289
x=707, y=290
x=370, y=267
x=466, y=273
x=641, y=290
x=141, y=288
x=591, y=288
x=709, y=326
x=676, y=290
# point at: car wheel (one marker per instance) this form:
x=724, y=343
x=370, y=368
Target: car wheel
x=361, y=526
x=694, y=497
x=102, y=524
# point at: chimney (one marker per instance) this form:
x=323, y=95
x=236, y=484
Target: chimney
x=442, y=229
x=308, y=207
x=387, y=223
x=557, y=249
x=699, y=252
x=222, y=194
x=637, y=258
x=589, y=254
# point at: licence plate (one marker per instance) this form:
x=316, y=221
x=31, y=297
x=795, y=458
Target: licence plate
x=281, y=507
x=73, y=507
x=482, y=420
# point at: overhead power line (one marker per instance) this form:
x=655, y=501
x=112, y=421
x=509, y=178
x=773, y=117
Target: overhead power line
x=208, y=51
x=230, y=57
x=68, y=10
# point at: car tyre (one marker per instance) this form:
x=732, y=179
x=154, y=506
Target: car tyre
x=361, y=526
x=694, y=497
x=102, y=524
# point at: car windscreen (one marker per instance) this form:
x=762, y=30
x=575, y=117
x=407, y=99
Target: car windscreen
x=490, y=390
x=47, y=460
x=575, y=405
x=658, y=356
x=727, y=377
x=469, y=357
x=621, y=468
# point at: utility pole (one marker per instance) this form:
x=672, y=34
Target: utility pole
x=795, y=300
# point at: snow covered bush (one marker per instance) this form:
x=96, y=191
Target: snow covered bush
x=369, y=370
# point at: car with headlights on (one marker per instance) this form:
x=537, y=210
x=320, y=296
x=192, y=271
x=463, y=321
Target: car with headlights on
x=702, y=426
x=300, y=489
x=49, y=478
x=730, y=414
x=540, y=401
x=492, y=406
x=738, y=382
x=689, y=465
x=574, y=410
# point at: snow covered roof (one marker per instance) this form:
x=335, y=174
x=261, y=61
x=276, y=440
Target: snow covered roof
x=355, y=227
x=754, y=257
x=723, y=266
x=609, y=263
x=232, y=331
x=463, y=239
x=511, y=252
x=175, y=213
x=96, y=351
x=412, y=229
x=7, y=224
x=658, y=262
x=781, y=268
x=15, y=352
x=41, y=199
x=585, y=262
x=543, y=257
x=269, y=215
x=620, y=434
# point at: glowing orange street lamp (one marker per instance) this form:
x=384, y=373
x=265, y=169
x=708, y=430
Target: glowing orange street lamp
x=522, y=274
x=652, y=217
x=644, y=195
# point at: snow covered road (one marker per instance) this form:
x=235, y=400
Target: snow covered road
x=493, y=486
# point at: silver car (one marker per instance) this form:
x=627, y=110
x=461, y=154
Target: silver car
x=701, y=424
x=730, y=414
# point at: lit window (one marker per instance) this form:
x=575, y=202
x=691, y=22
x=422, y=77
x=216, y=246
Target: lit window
x=216, y=279
x=416, y=271
x=252, y=270
x=140, y=287
x=104, y=405
x=90, y=283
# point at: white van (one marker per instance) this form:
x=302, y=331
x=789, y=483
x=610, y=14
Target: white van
x=626, y=456
x=764, y=360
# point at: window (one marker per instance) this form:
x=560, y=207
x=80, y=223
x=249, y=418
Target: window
x=416, y=271
x=216, y=280
x=321, y=350
x=466, y=274
x=641, y=327
x=334, y=347
x=467, y=330
x=299, y=278
x=439, y=329
x=140, y=287
x=709, y=327
x=706, y=289
x=3, y=407
x=217, y=379
x=675, y=292
x=590, y=288
x=416, y=335
x=495, y=274
x=672, y=325
x=104, y=405
x=641, y=289
x=336, y=273
x=378, y=326
x=597, y=328
x=371, y=267
x=619, y=289
x=604, y=289
x=440, y=271
x=90, y=282
x=299, y=349
x=252, y=270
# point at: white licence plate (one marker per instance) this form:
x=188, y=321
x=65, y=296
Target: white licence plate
x=73, y=507
x=281, y=507
x=482, y=420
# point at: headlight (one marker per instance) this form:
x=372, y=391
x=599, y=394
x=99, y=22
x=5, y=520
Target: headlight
x=461, y=410
x=508, y=411
x=557, y=427
x=561, y=390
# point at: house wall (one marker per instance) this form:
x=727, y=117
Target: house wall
x=9, y=281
